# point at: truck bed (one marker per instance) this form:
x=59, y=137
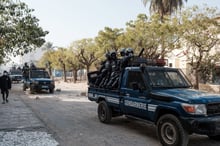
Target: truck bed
x=94, y=94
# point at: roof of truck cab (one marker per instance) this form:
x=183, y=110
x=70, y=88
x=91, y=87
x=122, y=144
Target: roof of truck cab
x=150, y=68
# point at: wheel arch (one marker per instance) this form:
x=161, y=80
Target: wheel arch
x=101, y=99
x=162, y=111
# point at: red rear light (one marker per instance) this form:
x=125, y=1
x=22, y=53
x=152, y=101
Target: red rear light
x=137, y=61
x=161, y=62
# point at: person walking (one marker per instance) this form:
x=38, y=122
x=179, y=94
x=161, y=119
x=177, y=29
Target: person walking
x=25, y=71
x=5, y=84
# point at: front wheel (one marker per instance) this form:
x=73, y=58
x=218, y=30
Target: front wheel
x=51, y=90
x=24, y=87
x=171, y=132
x=104, y=112
x=31, y=91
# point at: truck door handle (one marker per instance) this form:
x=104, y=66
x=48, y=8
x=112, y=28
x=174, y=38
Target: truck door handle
x=127, y=94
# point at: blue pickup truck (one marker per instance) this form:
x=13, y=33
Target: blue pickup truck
x=37, y=80
x=162, y=96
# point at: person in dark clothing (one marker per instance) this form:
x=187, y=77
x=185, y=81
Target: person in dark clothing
x=25, y=71
x=5, y=84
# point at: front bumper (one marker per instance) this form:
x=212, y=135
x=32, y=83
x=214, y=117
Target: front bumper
x=38, y=87
x=203, y=125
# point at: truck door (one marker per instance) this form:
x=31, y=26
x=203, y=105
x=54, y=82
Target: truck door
x=134, y=95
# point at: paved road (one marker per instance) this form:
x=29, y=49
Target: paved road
x=19, y=126
x=73, y=119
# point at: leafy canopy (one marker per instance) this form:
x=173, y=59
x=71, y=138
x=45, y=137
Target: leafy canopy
x=20, y=32
x=164, y=7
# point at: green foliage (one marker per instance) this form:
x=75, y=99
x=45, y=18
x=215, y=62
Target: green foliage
x=109, y=39
x=73, y=63
x=86, y=51
x=48, y=56
x=199, y=33
x=164, y=7
x=157, y=38
x=19, y=30
x=207, y=67
x=194, y=29
x=72, y=60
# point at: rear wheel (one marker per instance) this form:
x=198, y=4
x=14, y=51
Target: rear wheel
x=104, y=112
x=171, y=132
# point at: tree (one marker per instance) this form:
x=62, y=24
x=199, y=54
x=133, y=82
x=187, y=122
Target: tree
x=108, y=39
x=61, y=60
x=86, y=52
x=47, y=58
x=19, y=30
x=157, y=38
x=200, y=35
x=164, y=7
x=207, y=67
x=46, y=61
x=136, y=33
x=73, y=63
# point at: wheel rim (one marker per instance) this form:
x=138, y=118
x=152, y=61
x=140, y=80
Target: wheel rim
x=102, y=113
x=168, y=133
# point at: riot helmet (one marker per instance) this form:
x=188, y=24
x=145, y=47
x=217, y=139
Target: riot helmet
x=25, y=64
x=113, y=55
x=122, y=52
x=107, y=55
x=129, y=52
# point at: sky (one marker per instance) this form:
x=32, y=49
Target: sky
x=71, y=20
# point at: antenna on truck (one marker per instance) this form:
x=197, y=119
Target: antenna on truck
x=141, y=52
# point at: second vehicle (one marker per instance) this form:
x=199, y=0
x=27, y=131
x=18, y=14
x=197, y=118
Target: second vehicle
x=38, y=79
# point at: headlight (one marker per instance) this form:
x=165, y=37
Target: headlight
x=196, y=109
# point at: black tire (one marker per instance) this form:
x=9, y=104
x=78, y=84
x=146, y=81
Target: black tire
x=51, y=90
x=104, y=112
x=24, y=88
x=216, y=137
x=32, y=90
x=171, y=132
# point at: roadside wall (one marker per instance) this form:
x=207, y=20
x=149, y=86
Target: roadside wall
x=210, y=88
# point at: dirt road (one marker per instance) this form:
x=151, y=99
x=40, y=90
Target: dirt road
x=73, y=120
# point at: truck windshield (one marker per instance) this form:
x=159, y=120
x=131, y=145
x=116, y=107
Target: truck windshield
x=39, y=74
x=168, y=79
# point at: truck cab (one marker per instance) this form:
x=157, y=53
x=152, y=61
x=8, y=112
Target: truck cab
x=164, y=97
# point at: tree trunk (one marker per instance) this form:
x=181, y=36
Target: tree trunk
x=64, y=72
x=197, y=79
x=50, y=72
x=74, y=75
x=87, y=70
